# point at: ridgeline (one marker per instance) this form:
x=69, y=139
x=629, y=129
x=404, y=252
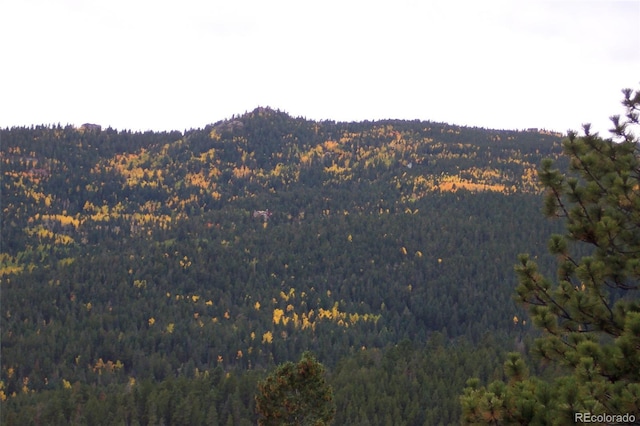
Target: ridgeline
x=143, y=280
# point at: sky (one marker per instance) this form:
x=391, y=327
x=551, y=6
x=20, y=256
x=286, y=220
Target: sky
x=177, y=65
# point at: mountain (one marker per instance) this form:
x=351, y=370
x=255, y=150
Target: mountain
x=136, y=264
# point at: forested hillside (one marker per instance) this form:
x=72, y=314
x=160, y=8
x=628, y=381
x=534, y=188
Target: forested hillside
x=153, y=278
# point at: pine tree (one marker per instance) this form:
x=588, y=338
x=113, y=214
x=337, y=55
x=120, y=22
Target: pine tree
x=296, y=394
x=590, y=315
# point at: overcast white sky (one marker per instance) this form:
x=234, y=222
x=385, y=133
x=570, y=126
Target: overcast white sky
x=176, y=65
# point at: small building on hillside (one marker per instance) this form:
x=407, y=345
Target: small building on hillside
x=89, y=127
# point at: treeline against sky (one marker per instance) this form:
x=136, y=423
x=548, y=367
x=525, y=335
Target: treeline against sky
x=136, y=278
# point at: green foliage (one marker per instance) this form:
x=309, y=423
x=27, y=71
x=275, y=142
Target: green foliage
x=590, y=317
x=296, y=394
x=409, y=384
x=136, y=257
x=206, y=400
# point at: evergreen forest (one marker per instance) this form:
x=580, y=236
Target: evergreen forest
x=156, y=277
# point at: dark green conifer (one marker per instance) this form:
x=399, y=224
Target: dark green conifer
x=296, y=394
x=590, y=315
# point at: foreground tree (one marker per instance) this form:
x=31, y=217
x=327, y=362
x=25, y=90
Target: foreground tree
x=296, y=394
x=590, y=315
